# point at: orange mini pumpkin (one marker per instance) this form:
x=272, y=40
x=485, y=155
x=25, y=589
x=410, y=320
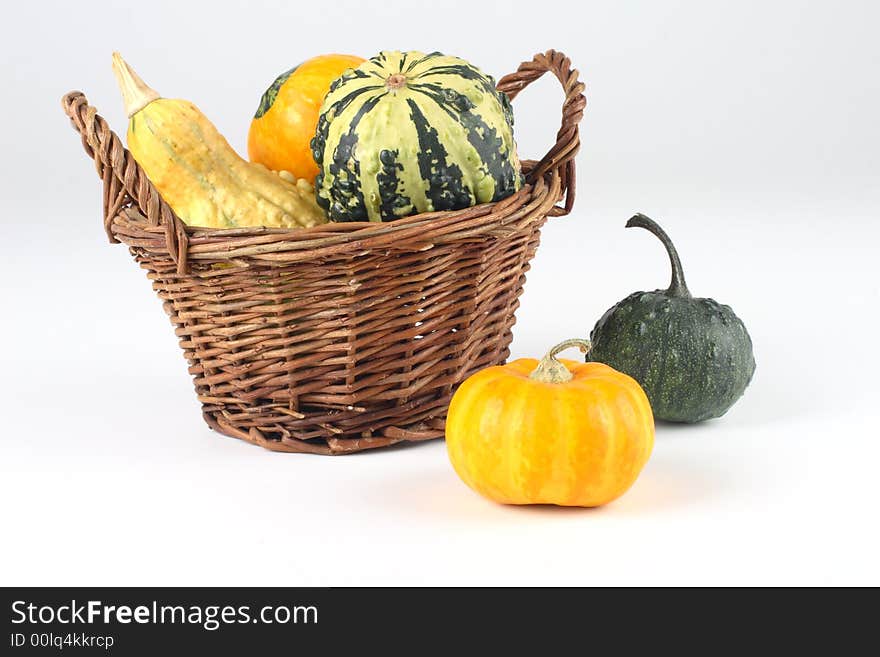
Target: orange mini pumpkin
x=285, y=122
x=550, y=432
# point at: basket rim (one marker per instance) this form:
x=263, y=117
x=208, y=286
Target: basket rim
x=367, y=228
x=356, y=229
x=416, y=233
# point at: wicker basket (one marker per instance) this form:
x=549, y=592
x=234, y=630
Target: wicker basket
x=341, y=337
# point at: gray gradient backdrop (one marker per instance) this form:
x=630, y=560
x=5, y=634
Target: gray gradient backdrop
x=748, y=129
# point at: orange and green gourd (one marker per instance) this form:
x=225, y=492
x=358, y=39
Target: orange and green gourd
x=285, y=122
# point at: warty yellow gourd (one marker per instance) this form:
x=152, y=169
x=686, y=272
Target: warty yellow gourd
x=199, y=174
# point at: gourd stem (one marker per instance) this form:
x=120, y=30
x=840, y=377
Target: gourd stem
x=395, y=82
x=550, y=370
x=136, y=94
x=677, y=288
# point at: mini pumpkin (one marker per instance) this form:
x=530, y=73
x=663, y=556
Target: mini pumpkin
x=550, y=432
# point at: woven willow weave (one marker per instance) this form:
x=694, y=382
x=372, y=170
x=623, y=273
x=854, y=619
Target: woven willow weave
x=341, y=337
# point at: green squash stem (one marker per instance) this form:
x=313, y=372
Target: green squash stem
x=678, y=288
x=550, y=370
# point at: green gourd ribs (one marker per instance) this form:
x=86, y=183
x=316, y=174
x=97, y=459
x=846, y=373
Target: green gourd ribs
x=408, y=132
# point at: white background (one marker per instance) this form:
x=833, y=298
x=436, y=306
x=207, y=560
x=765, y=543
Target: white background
x=748, y=129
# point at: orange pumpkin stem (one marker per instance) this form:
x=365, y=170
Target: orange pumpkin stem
x=550, y=370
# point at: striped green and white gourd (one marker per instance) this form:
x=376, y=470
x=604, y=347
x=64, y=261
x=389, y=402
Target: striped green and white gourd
x=407, y=132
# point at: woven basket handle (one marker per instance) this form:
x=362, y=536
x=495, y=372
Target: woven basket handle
x=123, y=177
x=561, y=155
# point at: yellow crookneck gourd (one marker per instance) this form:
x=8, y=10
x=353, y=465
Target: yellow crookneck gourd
x=199, y=174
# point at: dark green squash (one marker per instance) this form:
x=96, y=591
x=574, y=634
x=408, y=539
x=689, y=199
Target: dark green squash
x=692, y=356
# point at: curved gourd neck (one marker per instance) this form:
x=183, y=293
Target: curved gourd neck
x=136, y=94
x=678, y=287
